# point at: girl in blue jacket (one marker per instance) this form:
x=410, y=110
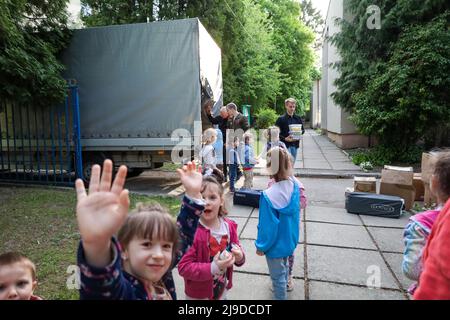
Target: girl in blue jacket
x=279, y=220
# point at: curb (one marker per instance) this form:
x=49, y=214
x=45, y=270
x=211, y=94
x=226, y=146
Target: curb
x=329, y=175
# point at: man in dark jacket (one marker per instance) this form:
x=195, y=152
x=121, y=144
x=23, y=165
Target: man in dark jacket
x=236, y=120
x=283, y=123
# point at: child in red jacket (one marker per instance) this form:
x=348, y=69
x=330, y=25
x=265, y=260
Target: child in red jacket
x=207, y=267
x=434, y=282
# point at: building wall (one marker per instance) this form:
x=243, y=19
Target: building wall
x=331, y=114
x=334, y=120
x=315, y=106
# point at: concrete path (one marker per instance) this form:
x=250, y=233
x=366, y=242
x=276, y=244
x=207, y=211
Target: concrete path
x=319, y=157
x=338, y=255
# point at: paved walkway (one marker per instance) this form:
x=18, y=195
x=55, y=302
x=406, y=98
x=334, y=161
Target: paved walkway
x=319, y=157
x=339, y=253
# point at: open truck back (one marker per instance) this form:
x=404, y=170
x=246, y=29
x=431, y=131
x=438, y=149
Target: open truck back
x=137, y=84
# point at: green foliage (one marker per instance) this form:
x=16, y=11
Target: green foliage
x=315, y=74
x=383, y=155
x=259, y=78
x=266, y=117
x=293, y=41
x=413, y=82
x=312, y=18
x=366, y=166
x=31, y=35
x=394, y=81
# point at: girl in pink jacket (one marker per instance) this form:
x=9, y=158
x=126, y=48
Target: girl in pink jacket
x=207, y=266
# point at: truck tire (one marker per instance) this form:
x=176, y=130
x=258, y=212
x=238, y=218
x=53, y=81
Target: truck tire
x=134, y=172
x=89, y=159
x=157, y=165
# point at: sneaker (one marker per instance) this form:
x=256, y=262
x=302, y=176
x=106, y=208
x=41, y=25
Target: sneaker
x=289, y=287
x=290, y=284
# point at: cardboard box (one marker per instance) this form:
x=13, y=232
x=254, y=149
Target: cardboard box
x=428, y=159
x=397, y=175
x=365, y=184
x=428, y=199
x=418, y=187
x=405, y=192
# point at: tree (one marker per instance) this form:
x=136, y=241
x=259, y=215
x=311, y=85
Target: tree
x=382, y=87
x=32, y=34
x=111, y=12
x=258, y=79
x=294, y=55
x=312, y=19
x=414, y=83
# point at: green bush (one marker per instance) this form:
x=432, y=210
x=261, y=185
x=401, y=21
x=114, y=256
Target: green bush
x=381, y=155
x=395, y=81
x=266, y=117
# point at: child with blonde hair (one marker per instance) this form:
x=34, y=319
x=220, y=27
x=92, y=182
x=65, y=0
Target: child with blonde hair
x=17, y=277
x=208, y=155
x=303, y=204
x=137, y=264
x=279, y=219
x=272, y=134
x=207, y=267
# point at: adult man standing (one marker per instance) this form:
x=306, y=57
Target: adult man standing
x=236, y=120
x=283, y=123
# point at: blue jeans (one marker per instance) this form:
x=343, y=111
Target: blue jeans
x=293, y=152
x=279, y=271
x=233, y=173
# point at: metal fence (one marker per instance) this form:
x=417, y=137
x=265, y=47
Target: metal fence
x=41, y=145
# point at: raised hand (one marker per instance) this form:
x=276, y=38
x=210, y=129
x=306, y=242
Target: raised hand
x=191, y=178
x=101, y=213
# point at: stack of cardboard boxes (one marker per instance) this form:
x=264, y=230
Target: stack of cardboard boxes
x=365, y=184
x=427, y=171
x=398, y=181
x=402, y=182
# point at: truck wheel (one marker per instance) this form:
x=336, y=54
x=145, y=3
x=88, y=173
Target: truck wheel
x=134, y=172
x=89, y=160
x=157, y=165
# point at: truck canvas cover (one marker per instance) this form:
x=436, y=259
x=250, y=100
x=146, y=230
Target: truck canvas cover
x=139, y=82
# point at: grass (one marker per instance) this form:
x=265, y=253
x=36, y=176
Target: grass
x=170, y=166
x=41, y=224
